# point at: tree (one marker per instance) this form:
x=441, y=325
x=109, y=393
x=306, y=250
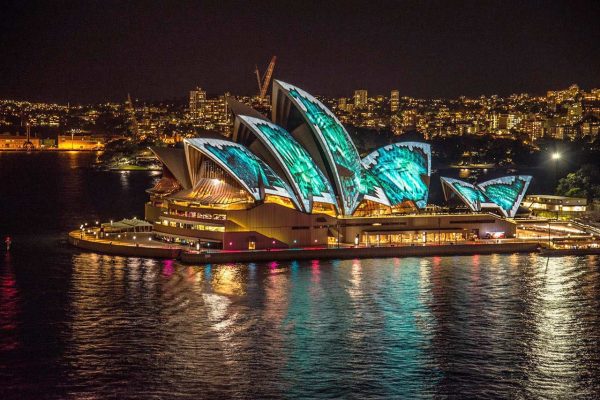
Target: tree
x=585, y=182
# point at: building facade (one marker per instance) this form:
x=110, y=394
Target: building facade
x=18, y=142
x=394, y=101
x=360, y=98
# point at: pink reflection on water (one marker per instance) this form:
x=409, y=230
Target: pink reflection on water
x=316, y=270
x=168, y=268
x=9, y=297
x=273, y=266
x=315, y=266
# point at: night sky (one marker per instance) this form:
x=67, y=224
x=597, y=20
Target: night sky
x=87, y=51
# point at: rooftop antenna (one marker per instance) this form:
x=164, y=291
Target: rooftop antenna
x=134, y=125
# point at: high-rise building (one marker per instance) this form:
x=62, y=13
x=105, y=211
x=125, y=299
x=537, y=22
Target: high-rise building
x=394, y=101
x=197, y=101
x=533, y=128
x=360, y=98
x=211, y=114
x=342, y=103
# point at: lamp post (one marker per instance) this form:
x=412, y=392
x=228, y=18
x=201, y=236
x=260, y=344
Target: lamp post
x=556, y=156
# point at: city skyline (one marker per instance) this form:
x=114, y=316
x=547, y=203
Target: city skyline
x=100, y=52
x=569, y=114
x=183, y=98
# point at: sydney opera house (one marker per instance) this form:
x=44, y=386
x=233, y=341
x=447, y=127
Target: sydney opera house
x=298, y=180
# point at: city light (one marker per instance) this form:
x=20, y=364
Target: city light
x=556, y=156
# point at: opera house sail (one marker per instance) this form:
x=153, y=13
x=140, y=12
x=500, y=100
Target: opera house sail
x=333, y=143
x=309, y=183
x=251, y=172
x=505, y=193
x=402, y=170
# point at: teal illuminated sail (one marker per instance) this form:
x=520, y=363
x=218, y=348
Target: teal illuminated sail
x=340, y=153
x=470, y=194
x=309, y=183
x=372, y=189
x=402, y=170
x=249, y=170
x=507, y=192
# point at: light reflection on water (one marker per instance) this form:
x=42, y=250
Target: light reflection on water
x=476, y=326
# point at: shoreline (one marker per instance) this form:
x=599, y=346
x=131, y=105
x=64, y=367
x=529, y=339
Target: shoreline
x=192, y=257
x=50, y=150
x=358, y=252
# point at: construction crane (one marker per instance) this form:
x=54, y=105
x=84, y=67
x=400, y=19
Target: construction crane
x=263, y=83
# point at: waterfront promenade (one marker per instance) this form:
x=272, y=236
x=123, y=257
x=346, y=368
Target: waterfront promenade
x=143, y=247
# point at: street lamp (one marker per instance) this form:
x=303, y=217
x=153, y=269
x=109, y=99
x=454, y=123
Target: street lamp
x=556, y=156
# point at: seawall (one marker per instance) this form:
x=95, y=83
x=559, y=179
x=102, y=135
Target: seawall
x=153, y=251
x=122, y=249
x=569, y=252
x=360, y=252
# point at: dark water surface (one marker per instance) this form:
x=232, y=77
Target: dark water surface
x=82, y=325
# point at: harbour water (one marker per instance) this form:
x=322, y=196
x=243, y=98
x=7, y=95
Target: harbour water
x=83, y=325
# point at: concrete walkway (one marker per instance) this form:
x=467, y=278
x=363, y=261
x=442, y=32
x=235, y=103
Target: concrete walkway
x=141, y=246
